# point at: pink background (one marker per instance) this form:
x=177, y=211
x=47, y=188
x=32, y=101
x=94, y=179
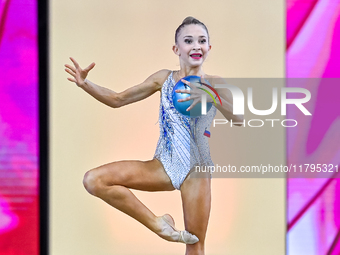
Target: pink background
x=313, y=51
x=18, y=127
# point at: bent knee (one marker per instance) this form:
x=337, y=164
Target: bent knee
x=91, y=182
x=95, y=185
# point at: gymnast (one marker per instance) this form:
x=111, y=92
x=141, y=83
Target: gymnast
x=182, y=144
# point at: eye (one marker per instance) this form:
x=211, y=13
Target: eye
x=203, y=41
x=187, y=40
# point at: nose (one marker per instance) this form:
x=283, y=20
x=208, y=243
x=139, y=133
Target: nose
x=196, y=46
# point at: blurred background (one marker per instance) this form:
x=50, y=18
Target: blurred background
x=129, y=41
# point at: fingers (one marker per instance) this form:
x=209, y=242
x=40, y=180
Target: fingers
x=87, y=69
x=77, y=68
x=184, y=99
x=76, y=71
x=70, y=72
x=74, y=62
x=71, y=79
x=183, y=91
x=192, y=105
x=70, y=67
x=187, y=83
x=194, y=96
x=202, y=79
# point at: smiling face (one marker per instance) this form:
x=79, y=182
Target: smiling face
x=192, y=45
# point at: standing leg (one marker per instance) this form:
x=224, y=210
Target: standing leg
x=196, y=199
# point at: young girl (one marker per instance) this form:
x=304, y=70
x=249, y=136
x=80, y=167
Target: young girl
x=181, y=146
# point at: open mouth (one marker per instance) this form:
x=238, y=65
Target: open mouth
x=196, y=56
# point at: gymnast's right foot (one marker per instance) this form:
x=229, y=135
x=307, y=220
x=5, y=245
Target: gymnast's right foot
x=170, y=233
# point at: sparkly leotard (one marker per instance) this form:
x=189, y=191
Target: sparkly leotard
x=182, y=144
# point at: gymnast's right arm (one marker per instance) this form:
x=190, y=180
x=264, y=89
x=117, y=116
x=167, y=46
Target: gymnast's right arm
x=113, y=99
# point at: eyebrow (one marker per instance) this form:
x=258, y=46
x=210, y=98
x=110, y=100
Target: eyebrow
x=192, y=36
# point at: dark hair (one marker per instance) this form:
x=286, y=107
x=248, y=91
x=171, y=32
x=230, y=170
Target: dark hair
x=188, y=21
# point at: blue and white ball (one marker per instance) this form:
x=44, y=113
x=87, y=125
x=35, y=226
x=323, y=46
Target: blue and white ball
x=182, y=106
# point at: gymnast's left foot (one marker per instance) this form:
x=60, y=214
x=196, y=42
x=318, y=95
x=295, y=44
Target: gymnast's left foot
x=170, y=233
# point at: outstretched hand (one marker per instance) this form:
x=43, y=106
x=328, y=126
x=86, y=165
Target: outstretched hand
x=79, y=74
x=195, y=93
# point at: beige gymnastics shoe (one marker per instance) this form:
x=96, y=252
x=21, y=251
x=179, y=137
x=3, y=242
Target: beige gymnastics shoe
x=170, y=233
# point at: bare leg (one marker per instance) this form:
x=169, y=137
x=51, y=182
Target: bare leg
x=111, y=183
x=196, y=198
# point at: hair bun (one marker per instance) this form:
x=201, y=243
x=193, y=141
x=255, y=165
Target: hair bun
x=188, y=20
